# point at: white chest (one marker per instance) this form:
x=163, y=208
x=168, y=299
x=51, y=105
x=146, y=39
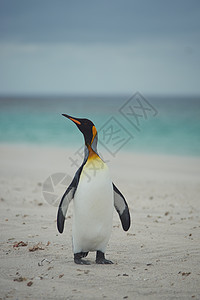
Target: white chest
x=93, y=207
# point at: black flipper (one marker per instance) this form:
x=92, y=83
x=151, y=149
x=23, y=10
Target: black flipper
x=66, y=199
x=122, y=208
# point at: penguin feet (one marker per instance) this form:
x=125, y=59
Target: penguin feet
x=100, y=259
x=78, y=258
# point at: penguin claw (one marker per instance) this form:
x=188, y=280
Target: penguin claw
x=80, y=261
x=100, y=259
x=104, y=262
x=78, y=258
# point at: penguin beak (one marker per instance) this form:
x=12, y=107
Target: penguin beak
x=76, y=121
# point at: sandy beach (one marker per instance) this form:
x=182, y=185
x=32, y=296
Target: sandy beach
x=158, y=258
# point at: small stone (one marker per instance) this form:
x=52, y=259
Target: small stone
x=20, y=244
x=20, y=279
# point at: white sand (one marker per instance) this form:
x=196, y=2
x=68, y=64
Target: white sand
x=158, y=258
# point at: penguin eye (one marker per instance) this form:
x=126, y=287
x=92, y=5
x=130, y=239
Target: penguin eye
x=85, y=123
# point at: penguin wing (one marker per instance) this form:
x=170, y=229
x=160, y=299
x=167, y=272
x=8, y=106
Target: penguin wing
x=66, y=199
x=122, y=208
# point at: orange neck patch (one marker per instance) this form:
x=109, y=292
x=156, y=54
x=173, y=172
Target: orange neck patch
x=92, y=154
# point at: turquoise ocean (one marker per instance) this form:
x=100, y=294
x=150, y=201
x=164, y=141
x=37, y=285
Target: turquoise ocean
x=154, y=124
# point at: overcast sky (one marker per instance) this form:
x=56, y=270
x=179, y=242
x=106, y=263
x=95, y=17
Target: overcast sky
x=99, y=46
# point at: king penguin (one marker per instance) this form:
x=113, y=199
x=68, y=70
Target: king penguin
x=94, y=196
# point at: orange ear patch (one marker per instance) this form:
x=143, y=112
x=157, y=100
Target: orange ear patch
x=94, y=133
x=75, y=121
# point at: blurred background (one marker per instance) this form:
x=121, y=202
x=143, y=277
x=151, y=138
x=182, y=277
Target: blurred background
x=87, y=58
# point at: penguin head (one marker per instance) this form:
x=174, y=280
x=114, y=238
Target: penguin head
x=86, y=127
